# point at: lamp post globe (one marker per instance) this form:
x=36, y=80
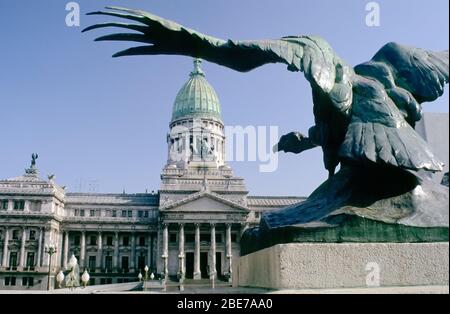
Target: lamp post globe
x=85, y=278
x=60, y=278
x=140, y=277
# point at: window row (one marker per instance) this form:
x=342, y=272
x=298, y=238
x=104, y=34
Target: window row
x=111, y=213
x=26, y=281
x=109, y=240
x=20, y=205
x=14, y=261
x=15, y=234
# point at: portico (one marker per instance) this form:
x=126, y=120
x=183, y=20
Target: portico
x=200, y=250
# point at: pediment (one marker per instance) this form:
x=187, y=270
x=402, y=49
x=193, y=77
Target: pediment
x=205, y=202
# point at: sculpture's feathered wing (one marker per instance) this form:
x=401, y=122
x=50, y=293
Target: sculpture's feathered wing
x=388, y=91
x=380, y=99
x=312, y=55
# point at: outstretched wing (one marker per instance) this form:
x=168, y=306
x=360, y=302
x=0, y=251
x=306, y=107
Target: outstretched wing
x=312, y=55
x=385, y=110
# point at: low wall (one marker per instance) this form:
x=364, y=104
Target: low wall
x=345, y=265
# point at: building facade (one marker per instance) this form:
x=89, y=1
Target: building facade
x=190, y=228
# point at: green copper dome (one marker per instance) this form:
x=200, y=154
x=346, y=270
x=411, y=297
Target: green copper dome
x=197, y=98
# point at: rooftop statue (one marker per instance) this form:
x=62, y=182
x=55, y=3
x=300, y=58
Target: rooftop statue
x=364, y=122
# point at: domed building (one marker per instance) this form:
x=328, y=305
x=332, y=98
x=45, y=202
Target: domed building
x=190, y=229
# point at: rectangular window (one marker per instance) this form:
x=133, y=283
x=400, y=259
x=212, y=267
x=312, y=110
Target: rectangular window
x=30, y=260
x=130, y=214
x=108, y=263
x=124, y=213
x=27, y=281
x=125, y=264
x=109, y=240
x=10, y=281
x=219, y=238
x=125, y=241
x=109, y=281
x=81, y=212
x=119, y=280
x=92, y=213
x=140, y=214
x=92, y=240
x=13, y=260
x=32, y=235
x=15, y=235
x=146, y=214
x=141, y=241
x=76, y=240
x=173, y=238
x=102, y=281
x=141, y=263
x=3, y=204
x=114, y=213
x=233, y=237
x=19, y=205
x=92, y=263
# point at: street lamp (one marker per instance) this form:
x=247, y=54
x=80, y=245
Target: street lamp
x=140, y=277
x=50, y=250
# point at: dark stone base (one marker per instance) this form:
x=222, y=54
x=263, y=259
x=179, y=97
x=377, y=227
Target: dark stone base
x=360, y=205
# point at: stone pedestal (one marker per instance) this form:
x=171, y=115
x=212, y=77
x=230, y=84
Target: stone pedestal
x=346, y=265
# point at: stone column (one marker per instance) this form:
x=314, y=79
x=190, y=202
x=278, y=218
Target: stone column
x=99, y=250
x=39, y=253
x=197, y=271
x=182, y=271
x=66, y=249
x=149, y=250
x=59, y=252
x=116, y=252
x=47, y=240
x=229, y=252
x=5, y=249
x=155, y=245
x=22, y=249
x=83, y=251
x=133, y=252
x=165, y=254
x=212, y=266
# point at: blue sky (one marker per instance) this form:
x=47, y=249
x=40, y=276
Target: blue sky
x=92, y=117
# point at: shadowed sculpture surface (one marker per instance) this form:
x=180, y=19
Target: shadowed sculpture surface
x=364, y=121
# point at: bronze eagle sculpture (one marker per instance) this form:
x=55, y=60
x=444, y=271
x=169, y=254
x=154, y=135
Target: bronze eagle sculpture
x=364, y=114
x=364, y=119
